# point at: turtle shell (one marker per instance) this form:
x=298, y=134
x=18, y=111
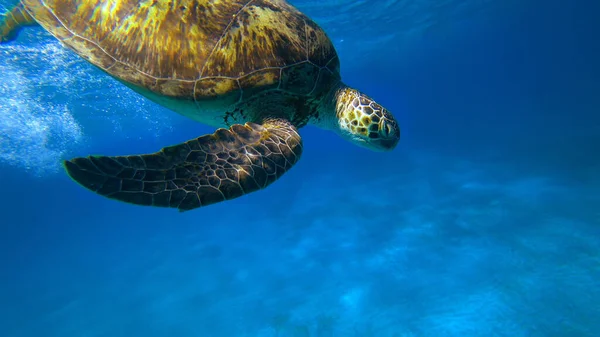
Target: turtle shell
x=195, y=49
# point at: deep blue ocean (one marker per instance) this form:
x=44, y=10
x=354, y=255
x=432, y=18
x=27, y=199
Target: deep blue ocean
x=484, y=221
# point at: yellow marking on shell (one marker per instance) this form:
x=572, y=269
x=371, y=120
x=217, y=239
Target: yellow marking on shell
x=106, y=10
x=222, y=87
x=270, y=38
x=164, y=45
x=267, y=78
x=269, y=21
x=159, y=39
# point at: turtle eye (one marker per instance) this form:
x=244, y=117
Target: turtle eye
x=386, y=129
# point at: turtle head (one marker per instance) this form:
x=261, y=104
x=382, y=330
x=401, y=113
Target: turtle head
x=364, y=122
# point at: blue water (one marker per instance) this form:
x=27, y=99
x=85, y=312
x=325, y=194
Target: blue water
x=485, y=221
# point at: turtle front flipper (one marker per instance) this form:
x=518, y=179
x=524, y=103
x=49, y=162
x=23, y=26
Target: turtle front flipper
x=222, y=166
x=12, y=22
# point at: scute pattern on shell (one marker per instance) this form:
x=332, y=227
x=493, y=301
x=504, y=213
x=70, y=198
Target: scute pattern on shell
x=164, y=39
x=276, y=36
x=170, y=46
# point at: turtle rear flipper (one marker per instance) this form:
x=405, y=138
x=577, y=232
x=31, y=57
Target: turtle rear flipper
x=217, y=167
x=12, y=22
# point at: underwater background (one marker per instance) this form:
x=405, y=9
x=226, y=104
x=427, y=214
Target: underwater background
x=485, y=220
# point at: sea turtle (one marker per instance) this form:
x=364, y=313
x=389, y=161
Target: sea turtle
x=258, y=70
